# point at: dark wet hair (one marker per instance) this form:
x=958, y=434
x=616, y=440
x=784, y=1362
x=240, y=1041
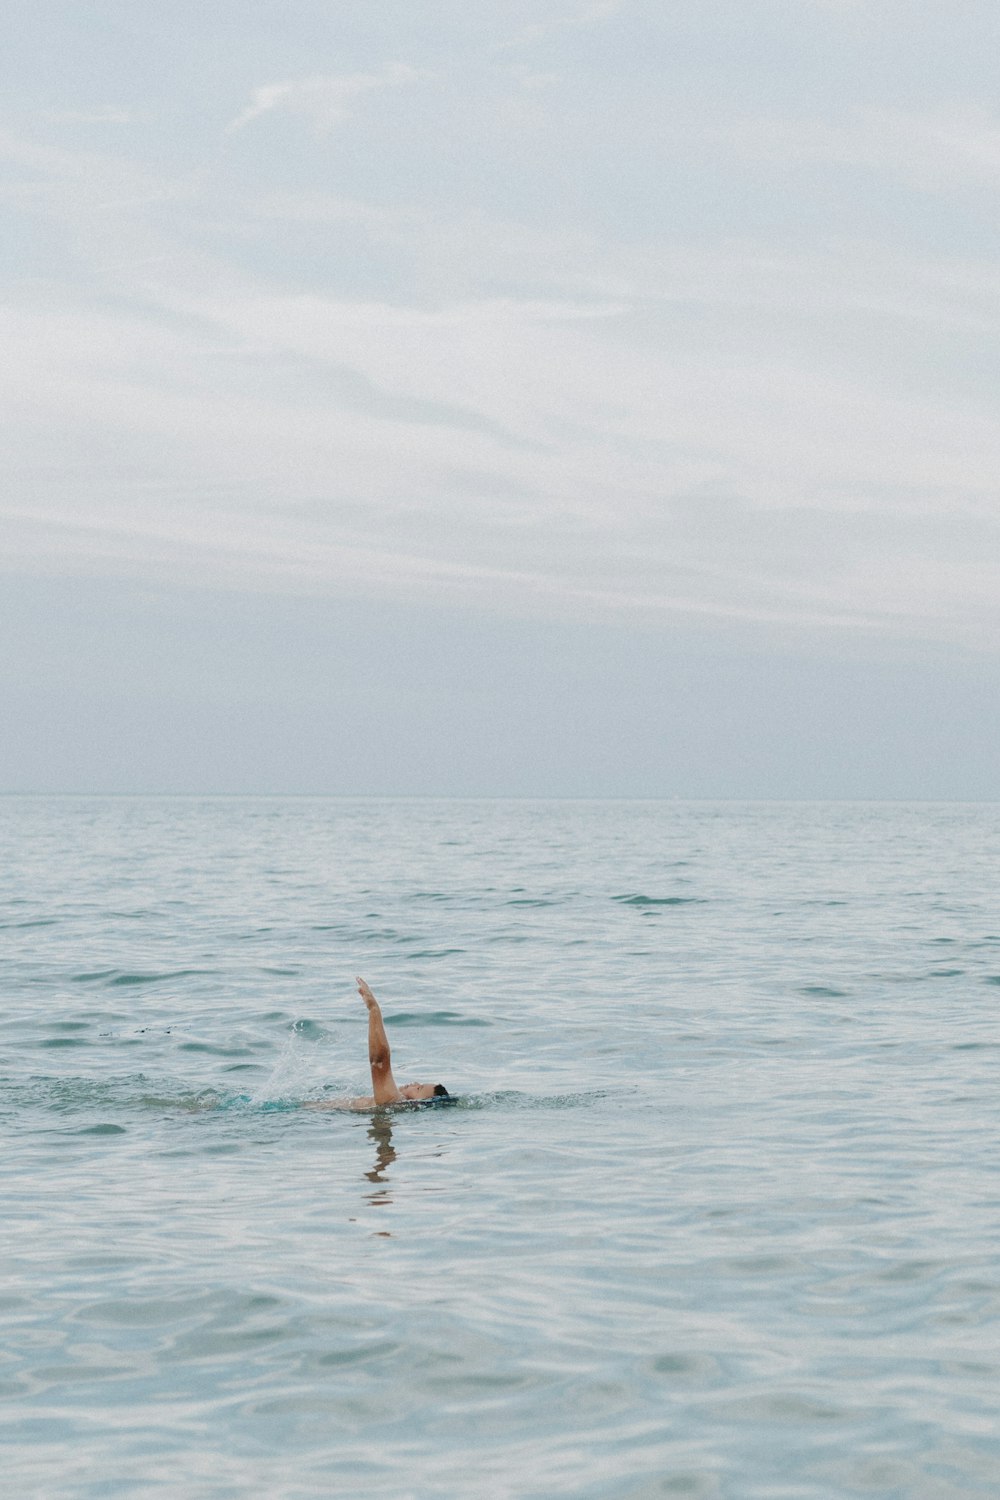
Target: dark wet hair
x=440, y=1092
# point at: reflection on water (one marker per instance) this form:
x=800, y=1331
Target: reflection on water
x=380, y=1131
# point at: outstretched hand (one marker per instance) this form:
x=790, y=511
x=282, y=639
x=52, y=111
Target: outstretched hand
x=366, y=993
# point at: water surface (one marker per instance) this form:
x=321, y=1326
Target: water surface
x=717, y=1214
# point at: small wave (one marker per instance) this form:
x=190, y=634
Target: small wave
x=638, y=899
x=134, y=1032
x=212, y=1050
x=119, y=979
x=76, y=1095
x=437, y=952
x=823, y=991
x=434, y=1018
x=127, y=980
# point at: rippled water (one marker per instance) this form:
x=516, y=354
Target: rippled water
x=717, y=1214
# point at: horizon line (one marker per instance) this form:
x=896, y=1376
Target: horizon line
x=315, y=796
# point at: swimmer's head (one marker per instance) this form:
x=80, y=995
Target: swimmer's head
x=424, y=1091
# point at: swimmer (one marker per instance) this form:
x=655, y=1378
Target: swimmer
x=385, y=1088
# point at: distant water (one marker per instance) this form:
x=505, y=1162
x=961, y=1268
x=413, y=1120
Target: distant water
x=718, y=1214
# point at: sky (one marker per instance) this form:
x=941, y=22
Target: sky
x=532, y=399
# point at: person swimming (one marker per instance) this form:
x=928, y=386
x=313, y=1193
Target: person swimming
x=385, y=1090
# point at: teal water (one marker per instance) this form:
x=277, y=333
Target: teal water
x=717, y=1213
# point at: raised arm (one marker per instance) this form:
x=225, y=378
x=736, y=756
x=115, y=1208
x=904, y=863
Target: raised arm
x=384, y=1086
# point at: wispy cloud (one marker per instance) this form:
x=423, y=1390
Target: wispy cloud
x=544, y=367
x=325, y=101
x=521, y=451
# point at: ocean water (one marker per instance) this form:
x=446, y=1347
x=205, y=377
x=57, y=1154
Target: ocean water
x=717, y=1213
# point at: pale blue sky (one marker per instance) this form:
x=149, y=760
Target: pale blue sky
x=582, y=398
